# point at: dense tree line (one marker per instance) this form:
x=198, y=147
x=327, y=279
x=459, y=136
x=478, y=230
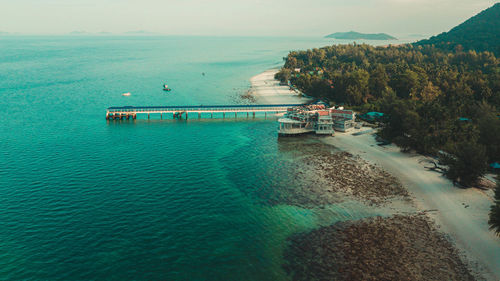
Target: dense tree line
x=434, y=100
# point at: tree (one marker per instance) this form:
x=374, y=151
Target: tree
x=378, y=81
x=494, y=220
x=405, y=83
x=429, y=92
x=466, y=164
x=432, y=99
x=357, y=87
x=488, y=123
x=283, y=75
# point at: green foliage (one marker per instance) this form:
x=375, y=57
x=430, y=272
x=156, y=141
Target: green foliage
x=356, y=74
x=467, y=164
x=284, y=75
x=494, y=220
x=434, y=100
x=480, y=33
x=488, y=124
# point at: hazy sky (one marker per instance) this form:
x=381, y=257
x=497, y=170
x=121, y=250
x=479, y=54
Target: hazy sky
x=237, y=17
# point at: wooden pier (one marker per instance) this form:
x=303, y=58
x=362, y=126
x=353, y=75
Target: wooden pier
x=181, y=112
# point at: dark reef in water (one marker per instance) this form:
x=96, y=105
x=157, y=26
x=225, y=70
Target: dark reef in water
x=309, y=173
x=395, y=248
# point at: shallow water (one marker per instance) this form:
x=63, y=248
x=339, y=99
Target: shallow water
x=83, y=198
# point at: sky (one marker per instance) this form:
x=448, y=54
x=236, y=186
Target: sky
x=237, y=17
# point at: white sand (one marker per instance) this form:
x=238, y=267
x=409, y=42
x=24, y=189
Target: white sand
x=431, y=191
x=460, y=213
x=266, y=90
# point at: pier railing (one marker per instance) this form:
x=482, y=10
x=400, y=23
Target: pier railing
x=127, y=112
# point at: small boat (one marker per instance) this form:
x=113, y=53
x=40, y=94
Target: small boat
x=166, y=88
x=126, y=94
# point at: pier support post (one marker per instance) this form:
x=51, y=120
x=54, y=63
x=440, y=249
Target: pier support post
x=247, y=114
x=199, y=115
x=223, y=115
x=148, y=116
x=253, y=114
x=161, y=116
x=186, y=115
x=211, y=115
x=265, y=115
x=235, y=114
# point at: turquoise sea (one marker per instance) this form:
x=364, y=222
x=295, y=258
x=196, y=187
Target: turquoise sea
x=86, y=199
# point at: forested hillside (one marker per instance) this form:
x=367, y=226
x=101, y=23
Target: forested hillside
x=479, y=33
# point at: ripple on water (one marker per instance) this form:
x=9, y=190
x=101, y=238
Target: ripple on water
x=173, y=200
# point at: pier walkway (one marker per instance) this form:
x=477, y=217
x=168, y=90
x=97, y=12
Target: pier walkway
x=183, y=111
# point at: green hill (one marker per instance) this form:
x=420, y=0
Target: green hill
x=480, y=33
x=352, y=35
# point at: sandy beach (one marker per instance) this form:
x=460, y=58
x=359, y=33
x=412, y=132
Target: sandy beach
x=454, y=242
x=460, y=213
x=266, y=90
x=456, y=215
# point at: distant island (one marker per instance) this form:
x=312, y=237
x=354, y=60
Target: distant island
x=356, y=35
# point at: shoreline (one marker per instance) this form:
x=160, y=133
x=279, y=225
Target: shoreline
x=459, y=214
x=462, y=214
x=265, y=89
x=328, y=175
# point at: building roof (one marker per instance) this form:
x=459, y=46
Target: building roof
x=342, y=111
x=375, y=114
x=495, y=165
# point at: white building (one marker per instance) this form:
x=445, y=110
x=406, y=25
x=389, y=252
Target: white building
x=306, y=119
x=343, y=120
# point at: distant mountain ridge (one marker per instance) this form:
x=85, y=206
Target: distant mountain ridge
x=356, y=35
x=480, y=33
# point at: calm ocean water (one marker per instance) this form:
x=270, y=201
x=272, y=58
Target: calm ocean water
x=85, y=199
